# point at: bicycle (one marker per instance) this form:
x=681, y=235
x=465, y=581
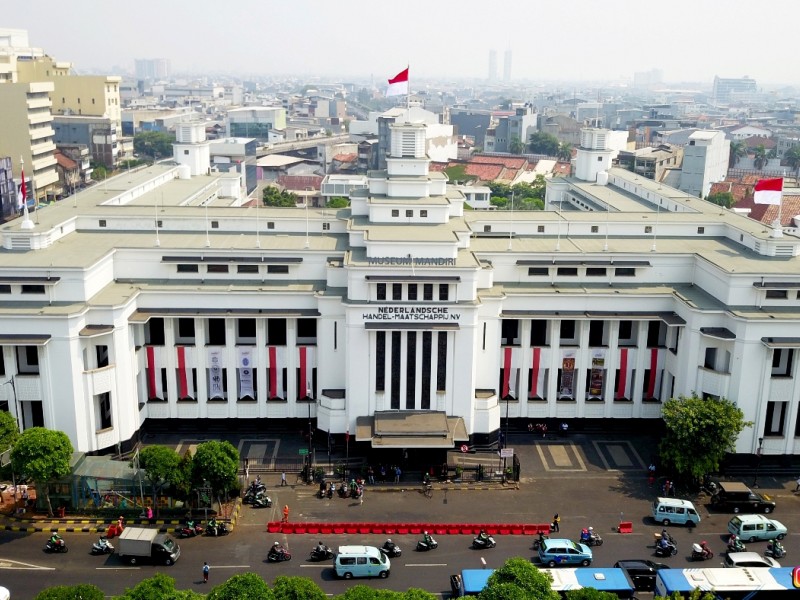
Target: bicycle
x=427, y=490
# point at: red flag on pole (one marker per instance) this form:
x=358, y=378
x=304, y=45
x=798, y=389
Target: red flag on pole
x=23, y=190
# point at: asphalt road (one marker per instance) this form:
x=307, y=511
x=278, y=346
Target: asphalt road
x=596, y=497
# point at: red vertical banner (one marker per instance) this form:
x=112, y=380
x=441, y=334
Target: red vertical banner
x=302, y=392
x=151, y=372
x=623, y=372
x=273, y=372
x=537, y=354
x=506, y=370
x=183, y=388
x=651, y=382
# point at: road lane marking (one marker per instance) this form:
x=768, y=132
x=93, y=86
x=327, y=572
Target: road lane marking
x=6, y=563
x=229, y=566
x=317, y=566
x=117, y=568
x=426, y=565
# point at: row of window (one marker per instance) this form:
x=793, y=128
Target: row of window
x=627, y=333
x=595, y=228
x=111, y=101
x=588, y=272
x=25, y=289
x=410, y=213
x=223, y=268
x=782, y=295
x=215, y=331
x=214, y=224
x=410, y=291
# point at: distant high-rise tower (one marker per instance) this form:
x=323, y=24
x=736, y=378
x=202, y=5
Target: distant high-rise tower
x=507, y=65
x=152, y=68
x=492, y=65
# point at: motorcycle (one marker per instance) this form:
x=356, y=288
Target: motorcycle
x=666, y=545
x=426, y=544
x=191, y=529
x=102, y=546
x=390, y=549
x=735, y=545
x=355, y=492
x=342, y=491
x=775, y=550
x=278, y=555
x=58, y=545
x=262, y=501
x=480, y=543
x=540, y=540
x=318, y=553
x=217, y=529
x=701, y=551
x=253, y=490
x=590, y=538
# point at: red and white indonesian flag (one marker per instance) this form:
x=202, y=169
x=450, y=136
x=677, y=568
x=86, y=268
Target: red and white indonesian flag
x=398, y=85
x=307, y=360
x=276, y=356
x=153, y=371
x=186, y=362
x=511, y=358
x=23, y=192
x=768, y=191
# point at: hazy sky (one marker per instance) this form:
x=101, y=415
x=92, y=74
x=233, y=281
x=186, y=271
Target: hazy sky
x=690, y=40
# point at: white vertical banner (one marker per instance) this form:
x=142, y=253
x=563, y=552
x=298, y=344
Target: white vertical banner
x=215, y=373
x=246, y=372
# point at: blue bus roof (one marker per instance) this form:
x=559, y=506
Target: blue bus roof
x=725, y=580
x=604, y=580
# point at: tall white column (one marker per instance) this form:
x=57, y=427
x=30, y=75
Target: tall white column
x=200, y=338
x=170, y=364
x=291, y=370
x=231, y=363
x=261, y=362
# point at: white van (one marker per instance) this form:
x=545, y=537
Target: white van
x=675, y=510
x=361, y=561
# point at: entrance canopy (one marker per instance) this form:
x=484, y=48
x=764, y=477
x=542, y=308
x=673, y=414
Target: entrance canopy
x=411, y=429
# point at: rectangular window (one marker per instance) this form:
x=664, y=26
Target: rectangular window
x=596, y=331
x=648, y=229
x=567, y=271
x=625, y=272
x=395, y=212
x=381, y=291
x=509, y=332
x=444, y=292
x=777, y=294
x=5, y=289
x=270, y=224
x=595, y=228
x=247, y=268
x=326, y=227
x=625, y=331
x=32, y=289
x=595, y=272
x=395, y=384
x=411, y=370
x=567, y=331
x=216, y=332
x=214, y=224
x=188, y=268
x=306, y=331
x=782, y=360
x=701, y=230
x=441, y=362
x=427, y=291
x=397, y=291
x=423, y=214
x=776, y=415
x=540, y=229
x=380, y=361
x=216, y=268
x=276, y=332
x=277, y=269
x=247, y=329
x=409, y=213
x=101, y=223
x=412, y=291
x=538, y=271
x=487, y=229
x=538, y=333
x=154, y=332
x=186, y=329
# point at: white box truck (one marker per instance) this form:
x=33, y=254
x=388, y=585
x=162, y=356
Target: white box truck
x=138, y=543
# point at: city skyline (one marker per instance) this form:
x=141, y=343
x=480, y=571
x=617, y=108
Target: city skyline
x=356, y=39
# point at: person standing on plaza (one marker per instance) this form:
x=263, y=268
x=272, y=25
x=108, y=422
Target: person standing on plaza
x=283, y=478
x=555, y=524
x=205, y=572
x=371, y=475
x=397, y=473
x=361, y=494
x=285, y=518
x=797, y=489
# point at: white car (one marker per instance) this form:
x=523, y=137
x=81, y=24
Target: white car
x=750, y=560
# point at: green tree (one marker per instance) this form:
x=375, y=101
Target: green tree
x=699, y=434
x=158, y=587
x=759, y=156
x=83, y=591
x=337, y=202
x=218, y=463
x=499, y=188
x=99, y=173
x=589, y=593
x=9, y=430
x=564, y=151
x=418, y=594
x=182, y=482
x=458, y=174
x=519, y=574
x=43, y=455
x=516, y=146
x=155, y=144
x=695, y=595
x=499, y=202
x=725, y=199
x=543, y=143
x=737, y=151
x=363, y=592
x=245, y=585
x=296, y=588
x=161, y=466
x=772, y=154
x=792, y=158
x=274, y=197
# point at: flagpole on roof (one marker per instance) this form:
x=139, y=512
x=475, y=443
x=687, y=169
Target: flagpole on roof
x=408, y=92
x=26, y=218
x=777, y=225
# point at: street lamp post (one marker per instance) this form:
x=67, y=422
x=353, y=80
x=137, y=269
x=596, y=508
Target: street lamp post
x=16, y=402
x=758, y=461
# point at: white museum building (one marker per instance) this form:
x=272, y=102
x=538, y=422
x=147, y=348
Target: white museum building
x=407, y=320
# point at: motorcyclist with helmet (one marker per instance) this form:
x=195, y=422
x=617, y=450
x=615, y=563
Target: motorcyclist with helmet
x=735, y=544
x=276, y=550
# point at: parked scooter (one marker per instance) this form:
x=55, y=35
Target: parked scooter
x=775, y=549
x=56, y=544
x=590, y=538
x=735, y=545
x=191, y=529
x=217, y=528
x=321, y=552
x=262, y=501
x=427, y=543
x=390, y=549
x=483, y=540
x=278, y=553
x=540, y=540
x=102, y=546
x=666, y=545
x=701, y=551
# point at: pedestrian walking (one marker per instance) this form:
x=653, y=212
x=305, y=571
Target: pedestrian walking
x=285, y=518
x=371, y=476
x=361, y=494
x=205, y=572
x=651, y=474
x=283, y=479
x=554, y=526
x=667, y=487
x=797, y=489
x=397, y=473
